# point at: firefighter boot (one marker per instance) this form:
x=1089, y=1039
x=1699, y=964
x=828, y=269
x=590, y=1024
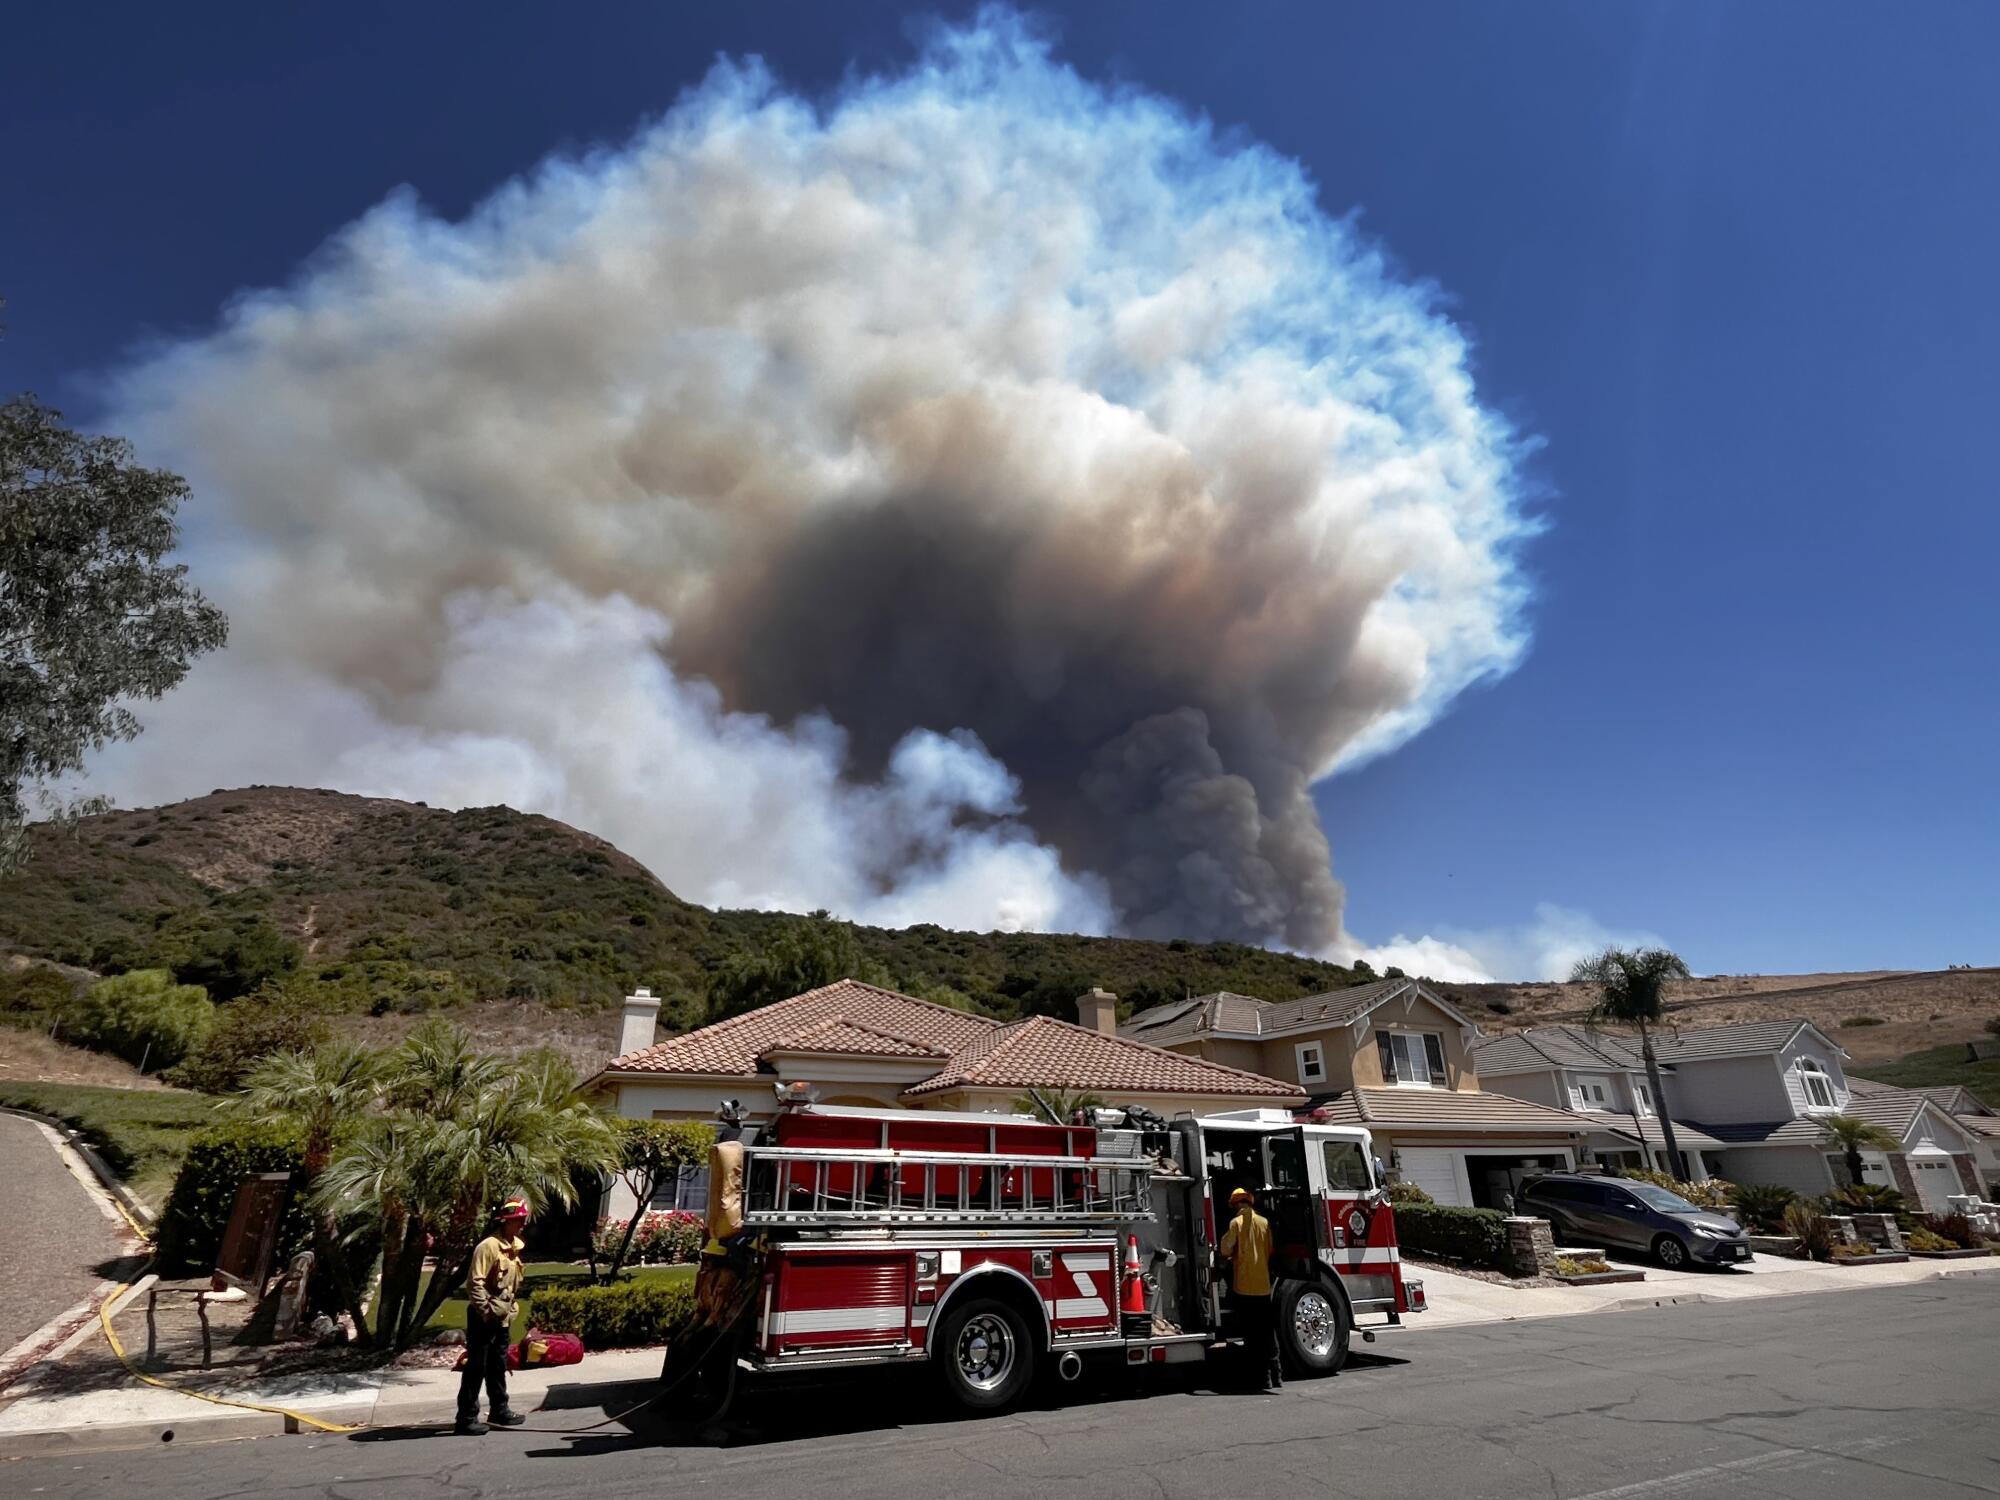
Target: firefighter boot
x=505, y=1418
x=470, y=1427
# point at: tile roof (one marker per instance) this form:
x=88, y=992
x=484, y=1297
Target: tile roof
x=1044, y=1052
x=1540, y=1048
x=1692, y=1045
x=1181, y=1020
x=1954, y=1099
x=1686, y=1136
x=1455, y=1109
x=1981, y=1125
x=1768, y=1133
x=855, y=1019
x=852, y=1039
x=733, y=1046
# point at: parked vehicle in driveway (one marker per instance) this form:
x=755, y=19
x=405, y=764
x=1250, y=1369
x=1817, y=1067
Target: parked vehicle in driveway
x=1632, y=1215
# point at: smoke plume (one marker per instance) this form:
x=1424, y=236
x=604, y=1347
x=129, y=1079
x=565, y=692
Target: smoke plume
x=983, y=497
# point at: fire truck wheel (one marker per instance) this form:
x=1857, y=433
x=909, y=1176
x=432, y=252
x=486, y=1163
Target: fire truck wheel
x=985, y=1355
x=1313, y=1327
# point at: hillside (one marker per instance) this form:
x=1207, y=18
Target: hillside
x=393, y=907
x=1874, y=1015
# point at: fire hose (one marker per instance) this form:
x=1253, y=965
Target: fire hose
x=319, y=1424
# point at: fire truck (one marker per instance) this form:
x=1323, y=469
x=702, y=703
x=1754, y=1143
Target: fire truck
x=995, y=1248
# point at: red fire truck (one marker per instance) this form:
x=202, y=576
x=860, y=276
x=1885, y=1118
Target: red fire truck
x=991, y=1246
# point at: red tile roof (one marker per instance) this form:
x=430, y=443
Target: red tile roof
x=1044, y=1052
x=852, y=1018
x=852, y=1039
x=733, y=1046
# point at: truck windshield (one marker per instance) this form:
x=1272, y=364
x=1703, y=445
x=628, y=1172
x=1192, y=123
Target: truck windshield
x=1346, y=1167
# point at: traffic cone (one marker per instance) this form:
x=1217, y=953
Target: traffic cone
x=1136, y=1313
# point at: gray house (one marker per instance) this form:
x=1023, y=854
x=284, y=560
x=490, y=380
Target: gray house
x=1747, y=1101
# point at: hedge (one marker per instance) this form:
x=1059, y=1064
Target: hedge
x=1472, y=1236
x=197, y=1212
x=626, y=1313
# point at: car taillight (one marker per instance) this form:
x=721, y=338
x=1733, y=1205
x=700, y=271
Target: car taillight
x=1413, y=1293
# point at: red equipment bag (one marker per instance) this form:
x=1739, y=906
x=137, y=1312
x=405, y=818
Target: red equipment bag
x=540, y=1348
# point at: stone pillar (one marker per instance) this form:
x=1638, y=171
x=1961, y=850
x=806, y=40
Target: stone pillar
x=1881, y=1230
x=1844, y=1232
x=1531, y=1246
x=1968, y=1173
x=1906, y=1184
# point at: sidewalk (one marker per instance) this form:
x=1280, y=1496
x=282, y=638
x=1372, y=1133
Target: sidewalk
x=37, y=1421
x=1460, y=1301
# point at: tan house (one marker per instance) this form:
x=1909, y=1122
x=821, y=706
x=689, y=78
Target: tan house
x=857, y=1044
x=1393, y=1056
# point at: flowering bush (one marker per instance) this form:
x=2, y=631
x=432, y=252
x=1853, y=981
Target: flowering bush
x=663, y=1238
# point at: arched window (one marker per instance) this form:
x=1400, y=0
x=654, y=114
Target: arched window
x=1818, y=1085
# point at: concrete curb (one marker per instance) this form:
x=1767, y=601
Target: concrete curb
x=106, y=1178
x=432, y=1401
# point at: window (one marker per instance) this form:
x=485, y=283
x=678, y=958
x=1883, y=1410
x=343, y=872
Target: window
x=686, y=1190
x=1818, y=1086
x=1644, y=1094
x=1411, y=1059
x=1595, y=1093
x=1346, y=1167
x=1312, y=1062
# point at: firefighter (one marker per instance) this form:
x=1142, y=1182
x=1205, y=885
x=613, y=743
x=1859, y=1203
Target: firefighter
x=1246, y=1245
x=491, y=1288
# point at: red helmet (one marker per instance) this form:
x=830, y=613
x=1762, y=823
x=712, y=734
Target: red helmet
x=513, y=1208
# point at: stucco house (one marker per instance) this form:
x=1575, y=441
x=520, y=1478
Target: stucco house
x=1747, y=1101
x=1601, y=1076
x=857, y=1044
x=1393, y=1056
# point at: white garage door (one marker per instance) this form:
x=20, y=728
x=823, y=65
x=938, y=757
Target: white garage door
x=1937, y=1180
x=1436, y=1171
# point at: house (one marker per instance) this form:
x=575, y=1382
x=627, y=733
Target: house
x=857, y=1044
x=1601, y=1076
x=1393, y=1056
x=1748, y=1099
x=1980, y=1121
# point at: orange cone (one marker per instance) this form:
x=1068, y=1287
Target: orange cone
x=1136, y=1312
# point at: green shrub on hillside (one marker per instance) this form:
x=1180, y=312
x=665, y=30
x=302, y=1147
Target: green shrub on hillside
x=280, y=1017
x=143, y=1017
x=648, y=1310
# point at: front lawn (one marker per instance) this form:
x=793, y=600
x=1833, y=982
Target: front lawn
x=1939, y=1067
x=539, y=1275
x=142, y=1134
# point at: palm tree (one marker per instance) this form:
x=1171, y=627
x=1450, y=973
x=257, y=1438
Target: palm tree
x=1853, y=1135
x=323, y=1094
x=1631, y=986
x=1063, y=1104
x=462, y=1130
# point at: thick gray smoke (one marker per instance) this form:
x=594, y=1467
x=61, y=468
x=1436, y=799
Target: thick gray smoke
x=986, y=498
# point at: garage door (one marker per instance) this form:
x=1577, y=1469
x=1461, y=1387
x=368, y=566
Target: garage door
x=1937, y=1180
x=1433, y=1170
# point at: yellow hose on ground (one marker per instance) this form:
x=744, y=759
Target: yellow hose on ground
x=111, y=1337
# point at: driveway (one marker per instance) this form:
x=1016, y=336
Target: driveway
x=53, y=1233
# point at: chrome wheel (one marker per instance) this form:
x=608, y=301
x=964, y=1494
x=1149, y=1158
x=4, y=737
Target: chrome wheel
x=1315, y=1325
x=985, y=1351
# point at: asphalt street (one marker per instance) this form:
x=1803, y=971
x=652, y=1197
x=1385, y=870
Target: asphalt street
x=54, y=1240
x=1879, y=1393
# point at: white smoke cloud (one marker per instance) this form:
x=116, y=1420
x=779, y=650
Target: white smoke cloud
x=1547, y=947
x=981, y=497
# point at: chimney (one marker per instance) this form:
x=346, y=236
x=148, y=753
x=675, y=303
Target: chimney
x=642, y=1011
x=1098, y=1011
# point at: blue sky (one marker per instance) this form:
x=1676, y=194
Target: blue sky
x=1732, y=265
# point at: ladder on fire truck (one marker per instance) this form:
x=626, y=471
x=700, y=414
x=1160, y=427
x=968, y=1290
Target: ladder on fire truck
x=808, y=1186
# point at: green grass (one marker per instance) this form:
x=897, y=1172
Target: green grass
x=142, y=1134
x=539, y=1275
x=1939, y=1067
